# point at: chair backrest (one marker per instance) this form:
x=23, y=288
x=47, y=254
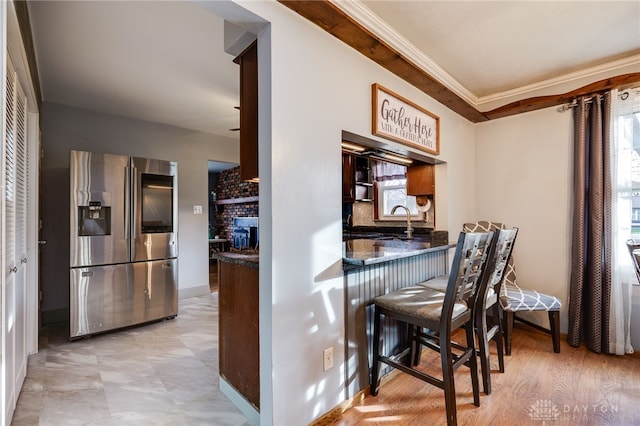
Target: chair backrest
x=474, y=256
x=504, y=242
x=634, y=251
x=509, y=276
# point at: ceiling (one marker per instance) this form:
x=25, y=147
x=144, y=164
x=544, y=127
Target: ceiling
x=489, y=47
x=163, y=61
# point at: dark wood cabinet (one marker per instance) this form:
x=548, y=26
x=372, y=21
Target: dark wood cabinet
x=357, y=183
x=248, y=61
x=421, y=180
x=348, y=178
x=364, y=179
x=238, y=324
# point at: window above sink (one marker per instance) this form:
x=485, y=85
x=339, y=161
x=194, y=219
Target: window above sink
x=391, y=193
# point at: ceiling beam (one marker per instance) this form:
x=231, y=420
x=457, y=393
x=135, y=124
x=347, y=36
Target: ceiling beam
x=336, y=22
x=532, y=104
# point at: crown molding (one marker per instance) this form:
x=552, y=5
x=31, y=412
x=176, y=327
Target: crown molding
x=381, y=30
x=358, y=11
x=352, y=23
x=573, y=78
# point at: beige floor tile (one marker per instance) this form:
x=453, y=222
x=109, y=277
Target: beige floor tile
x=163, y=373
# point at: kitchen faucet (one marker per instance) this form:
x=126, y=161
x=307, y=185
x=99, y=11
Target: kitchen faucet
x=409, y=230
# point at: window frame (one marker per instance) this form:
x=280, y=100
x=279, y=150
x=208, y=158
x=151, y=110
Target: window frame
x=400, y=215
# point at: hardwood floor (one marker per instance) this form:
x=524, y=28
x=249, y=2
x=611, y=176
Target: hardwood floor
x=576, y=387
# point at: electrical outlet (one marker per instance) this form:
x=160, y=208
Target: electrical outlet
x=197, y=209
x=327, y=359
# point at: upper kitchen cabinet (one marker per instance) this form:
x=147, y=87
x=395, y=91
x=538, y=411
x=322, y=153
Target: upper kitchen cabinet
x=348, y=177
x=356, y=178
x=421, y=180
x=364, y=182
x=248, y=61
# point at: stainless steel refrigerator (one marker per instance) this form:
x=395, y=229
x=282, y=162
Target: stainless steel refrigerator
x=124, y=254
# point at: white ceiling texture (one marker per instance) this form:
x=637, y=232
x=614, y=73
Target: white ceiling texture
x=163, y=61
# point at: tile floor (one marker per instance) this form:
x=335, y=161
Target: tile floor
x=164, y=373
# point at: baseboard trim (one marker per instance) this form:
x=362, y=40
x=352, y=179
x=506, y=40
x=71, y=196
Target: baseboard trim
x=184, y=293
x=240, y=402
x=329, y=417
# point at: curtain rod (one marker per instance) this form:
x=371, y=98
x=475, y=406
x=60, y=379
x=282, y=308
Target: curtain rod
x=624, y=95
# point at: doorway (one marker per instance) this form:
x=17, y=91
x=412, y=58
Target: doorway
x=217, y=237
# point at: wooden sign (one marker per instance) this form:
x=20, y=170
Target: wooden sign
x=397, y=119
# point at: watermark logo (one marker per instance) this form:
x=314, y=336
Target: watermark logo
x=543, y=411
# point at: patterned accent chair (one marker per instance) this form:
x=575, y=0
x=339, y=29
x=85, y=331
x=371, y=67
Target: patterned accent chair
x=514, y=299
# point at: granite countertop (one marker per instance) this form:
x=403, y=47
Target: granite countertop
x=361, y=252
x=249, y=258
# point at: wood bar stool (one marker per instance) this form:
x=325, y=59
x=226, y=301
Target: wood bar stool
x=423, y=308
x=505, y=241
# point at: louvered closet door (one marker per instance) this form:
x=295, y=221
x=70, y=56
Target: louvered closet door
x=14, y=230
x=20, y=253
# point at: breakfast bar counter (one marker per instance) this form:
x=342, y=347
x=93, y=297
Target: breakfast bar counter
x=361, y=252
x=373, y=267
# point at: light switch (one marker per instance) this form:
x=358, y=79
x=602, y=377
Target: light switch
x=197, y=209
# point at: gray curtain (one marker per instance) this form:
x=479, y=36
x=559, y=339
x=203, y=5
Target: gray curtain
x=591, y=269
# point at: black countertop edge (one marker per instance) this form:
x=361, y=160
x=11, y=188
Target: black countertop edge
x=251, y=260
x=370, y=252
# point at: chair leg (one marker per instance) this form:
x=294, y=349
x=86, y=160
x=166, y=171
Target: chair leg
x=473, y=364
x=554, y=322
x=416, y=347
x=508, y=330
x=446, y=356
x=375, y=368
x=498, y=336
x=483, y=348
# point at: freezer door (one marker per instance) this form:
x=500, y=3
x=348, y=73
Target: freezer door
x=154, y=209
x=101, y=299
x=109, y=297
x=155, y=290
x=99, y=198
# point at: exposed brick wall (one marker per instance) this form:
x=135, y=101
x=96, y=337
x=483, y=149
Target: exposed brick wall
x=229, y=186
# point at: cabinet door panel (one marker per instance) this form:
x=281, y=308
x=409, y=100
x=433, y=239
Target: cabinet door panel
x=421, y=180
x=239, y=329
x=348, y=178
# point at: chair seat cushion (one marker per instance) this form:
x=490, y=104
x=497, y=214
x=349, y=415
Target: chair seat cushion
x=516, y=299
x=419, y=302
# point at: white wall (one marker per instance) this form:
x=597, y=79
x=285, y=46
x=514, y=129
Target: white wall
x=524, y=179
x=65, y=128
x=319, y=87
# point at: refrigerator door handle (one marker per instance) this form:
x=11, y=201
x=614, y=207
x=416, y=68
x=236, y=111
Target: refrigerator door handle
x=134, y=200
x=127, y=202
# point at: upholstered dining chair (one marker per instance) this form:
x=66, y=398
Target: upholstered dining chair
x=634, y=251
x=424, y=308
x=487, y=299
x=514, y=299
